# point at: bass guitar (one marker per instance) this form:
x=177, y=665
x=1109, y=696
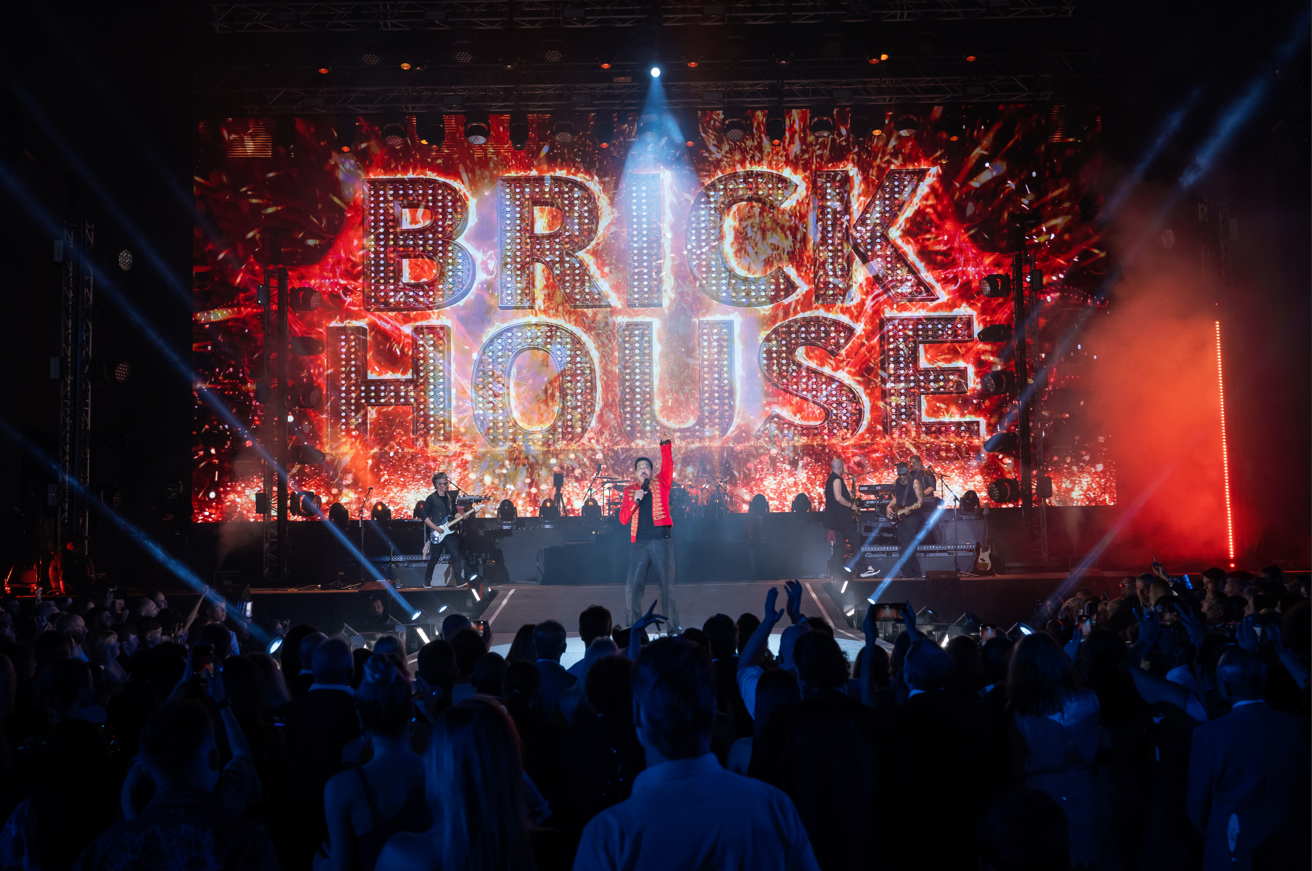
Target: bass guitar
x=983, y=564
x=445, y=529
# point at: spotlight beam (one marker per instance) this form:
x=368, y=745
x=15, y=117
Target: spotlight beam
x=134, y=533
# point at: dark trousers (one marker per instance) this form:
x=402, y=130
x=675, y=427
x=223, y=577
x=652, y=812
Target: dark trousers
x=845, y=532
x=450, y=545
x=656, y=554
x=907, y=531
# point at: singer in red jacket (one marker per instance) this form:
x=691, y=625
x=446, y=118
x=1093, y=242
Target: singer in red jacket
x=646, y=511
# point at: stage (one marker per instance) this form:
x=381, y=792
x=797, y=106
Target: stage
x=572, y=550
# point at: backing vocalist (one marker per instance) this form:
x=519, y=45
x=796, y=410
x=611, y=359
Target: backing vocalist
x=646, y=511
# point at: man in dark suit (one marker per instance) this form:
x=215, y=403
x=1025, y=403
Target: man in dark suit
x=1249, y=775
x=318, y=726
x=937, y=738
x=549, y=640
x=811, y=749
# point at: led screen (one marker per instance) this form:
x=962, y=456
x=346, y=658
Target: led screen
x=503, y=314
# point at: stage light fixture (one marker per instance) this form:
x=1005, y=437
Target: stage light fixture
x=405, y=65
x=995, y=286
x=995, y=333
x=307, y=395
x=431, y=128
x=759, y=505
x=553, y=51
x=506, y=510
x=603, y=129
x=801, y=504
x=776, y=127
x=1043, y=487
x=605, y=65
x=125, y=260
x=692, y=64
x=563, y=131
x=655, y=72
x=477, y=129
x=517, y=129
x=969, y=501
x=822, y=125
x=1004, y=490
x=831, y=46
x=380, y=512
x=339, y=513
x=306, y=299
x=1001, y=443
x=735, y=127
x=859, y=126
x=998, y=383
x=370, y=57
x=548, y=509
x=305, y=346
x=415, y=615
x=307, y=504
x=423, y=636
x=906, y=125
x=591, y=510
x=274, y=645
x=323, y=71
x=307, y=455
x=394, y=133
x=1019, y=631
x=462, y=51
x=970, y=58
x=873, y=59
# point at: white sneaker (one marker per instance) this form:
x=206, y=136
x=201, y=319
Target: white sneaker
x=870, y=572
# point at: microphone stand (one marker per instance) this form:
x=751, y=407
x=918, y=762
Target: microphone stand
x=588, y=495
x=363, y=503
x=956, y=518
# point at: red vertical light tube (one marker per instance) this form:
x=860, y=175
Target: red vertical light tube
x=1225, y=457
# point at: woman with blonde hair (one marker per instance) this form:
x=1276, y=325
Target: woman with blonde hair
x=477, y=792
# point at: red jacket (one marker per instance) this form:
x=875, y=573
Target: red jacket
x=660, y=495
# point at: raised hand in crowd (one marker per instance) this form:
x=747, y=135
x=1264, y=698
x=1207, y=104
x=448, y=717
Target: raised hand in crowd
x=635, y=631
x=793, y=602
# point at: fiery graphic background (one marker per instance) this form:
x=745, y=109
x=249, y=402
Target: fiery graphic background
x=989, y=164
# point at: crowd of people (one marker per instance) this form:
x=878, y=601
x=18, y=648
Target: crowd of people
x=1165, y=728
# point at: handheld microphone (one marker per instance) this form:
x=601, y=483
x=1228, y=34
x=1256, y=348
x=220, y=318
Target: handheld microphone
x=598, y=469
x=646, y=484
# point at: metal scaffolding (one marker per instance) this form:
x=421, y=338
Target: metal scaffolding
x=367, y=89
x=71, y=522
x=530, y=14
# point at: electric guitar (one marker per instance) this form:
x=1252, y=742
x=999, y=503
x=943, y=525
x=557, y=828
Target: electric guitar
x=446, y=529
x=983, y=564
x=897, y=514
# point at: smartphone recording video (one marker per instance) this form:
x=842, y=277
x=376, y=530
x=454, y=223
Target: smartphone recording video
x=890, y=611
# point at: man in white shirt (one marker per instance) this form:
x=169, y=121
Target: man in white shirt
x=686, y=811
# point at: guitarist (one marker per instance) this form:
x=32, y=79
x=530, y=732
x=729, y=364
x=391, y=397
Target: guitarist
x=904, y=511
x=439, y=507
x=928, y=486
x=840, y=513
